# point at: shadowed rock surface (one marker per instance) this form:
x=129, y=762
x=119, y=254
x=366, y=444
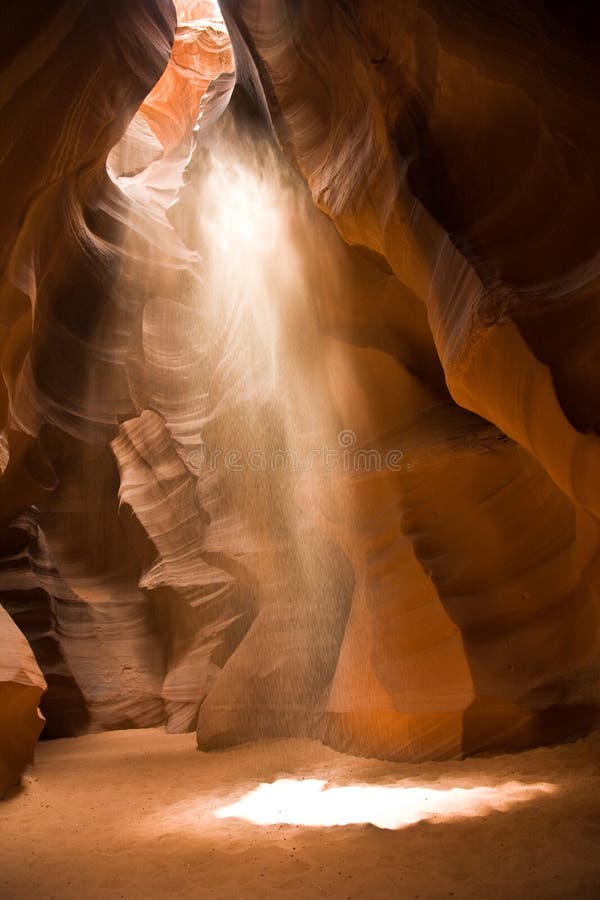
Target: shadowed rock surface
x=21, y=685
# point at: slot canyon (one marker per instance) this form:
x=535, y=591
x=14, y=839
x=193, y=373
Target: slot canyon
x=300, y=449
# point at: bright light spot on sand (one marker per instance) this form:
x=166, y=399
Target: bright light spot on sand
x=311, y=803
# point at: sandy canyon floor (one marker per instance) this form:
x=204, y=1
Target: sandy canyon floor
x=143, y=814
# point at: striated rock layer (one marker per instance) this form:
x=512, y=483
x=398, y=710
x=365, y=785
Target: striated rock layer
x=412, y=131
x=299, y=371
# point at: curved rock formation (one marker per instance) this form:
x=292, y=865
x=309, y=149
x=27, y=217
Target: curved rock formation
x=299, y=370
x=72, y=79
x=21, y=685
x=378, y=129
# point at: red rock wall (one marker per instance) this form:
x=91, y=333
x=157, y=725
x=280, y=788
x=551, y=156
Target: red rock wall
x=458, y=148
x=388, y=236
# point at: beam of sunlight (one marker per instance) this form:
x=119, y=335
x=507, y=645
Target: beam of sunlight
x=310, y=802
x=257, y=295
